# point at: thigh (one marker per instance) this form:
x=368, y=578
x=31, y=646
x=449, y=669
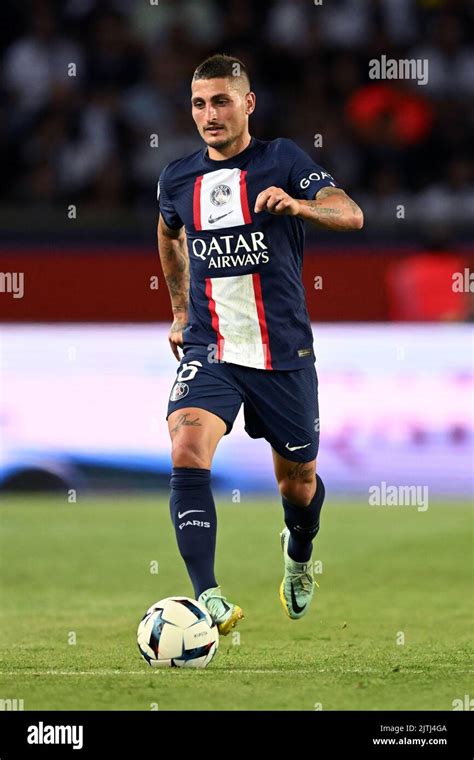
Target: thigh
x=286, y=469
x=282, y=407
x=202, y=407
x=194, y=434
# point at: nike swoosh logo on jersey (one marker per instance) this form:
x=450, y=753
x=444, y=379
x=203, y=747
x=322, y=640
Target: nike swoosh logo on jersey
x=294, y=603
x=293, y=448
x=182, y=514
x=213, y=219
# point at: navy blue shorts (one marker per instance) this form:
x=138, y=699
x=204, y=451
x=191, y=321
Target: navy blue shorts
x=279, y=405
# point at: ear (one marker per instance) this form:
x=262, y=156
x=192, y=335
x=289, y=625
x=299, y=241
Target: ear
x=250, y=102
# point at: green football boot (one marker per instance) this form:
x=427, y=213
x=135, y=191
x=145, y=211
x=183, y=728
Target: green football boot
x=297, y=586
x=224, y=613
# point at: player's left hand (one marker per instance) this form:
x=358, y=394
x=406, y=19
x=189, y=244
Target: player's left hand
x=276, y=201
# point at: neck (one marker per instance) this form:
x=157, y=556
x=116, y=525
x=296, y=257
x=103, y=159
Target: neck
x=220, y=154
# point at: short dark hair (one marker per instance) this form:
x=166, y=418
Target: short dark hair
x=221, y=65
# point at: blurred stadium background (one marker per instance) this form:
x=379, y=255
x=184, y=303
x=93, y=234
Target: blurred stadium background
x=85, y=367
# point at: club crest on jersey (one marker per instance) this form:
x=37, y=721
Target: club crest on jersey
x=180, y=390
x=220, y=195
x=220, y=200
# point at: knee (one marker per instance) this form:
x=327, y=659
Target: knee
x=189, y=455
x=299, y=493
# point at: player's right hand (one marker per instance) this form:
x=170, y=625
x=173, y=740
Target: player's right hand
x=175, y=336
x=276, y=201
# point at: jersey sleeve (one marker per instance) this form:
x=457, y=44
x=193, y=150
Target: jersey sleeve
x=307, y=177
x=167, y=209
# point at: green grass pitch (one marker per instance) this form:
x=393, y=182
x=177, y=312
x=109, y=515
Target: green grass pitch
x=389, y=575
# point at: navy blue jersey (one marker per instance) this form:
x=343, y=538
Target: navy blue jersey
x=246, y=297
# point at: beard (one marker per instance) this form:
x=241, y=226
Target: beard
x=219, y=142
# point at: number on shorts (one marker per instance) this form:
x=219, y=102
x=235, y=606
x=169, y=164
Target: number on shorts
x=191, y=368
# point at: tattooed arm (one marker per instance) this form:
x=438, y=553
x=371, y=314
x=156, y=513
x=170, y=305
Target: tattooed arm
x=331, y=208
x=174, y=257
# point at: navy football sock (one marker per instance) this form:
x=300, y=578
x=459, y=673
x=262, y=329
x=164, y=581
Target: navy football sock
x=194, y=517
x=303, y=524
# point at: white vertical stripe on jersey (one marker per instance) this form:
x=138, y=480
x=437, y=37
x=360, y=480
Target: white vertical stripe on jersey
x=239, y=327
x=228, y=213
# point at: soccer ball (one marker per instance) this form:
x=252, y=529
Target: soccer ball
x=177, y=632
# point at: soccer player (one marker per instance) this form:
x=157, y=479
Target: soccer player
x=231, y=238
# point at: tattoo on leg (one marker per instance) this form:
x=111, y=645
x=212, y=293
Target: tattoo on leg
x=182, y=420
x=300, y=470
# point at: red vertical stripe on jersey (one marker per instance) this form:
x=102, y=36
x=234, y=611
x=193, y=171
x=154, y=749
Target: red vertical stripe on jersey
x=257, y=289
x=244, y=201
x=197, y=203
x=215, y=318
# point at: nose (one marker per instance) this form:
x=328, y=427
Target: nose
x=211, y=113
